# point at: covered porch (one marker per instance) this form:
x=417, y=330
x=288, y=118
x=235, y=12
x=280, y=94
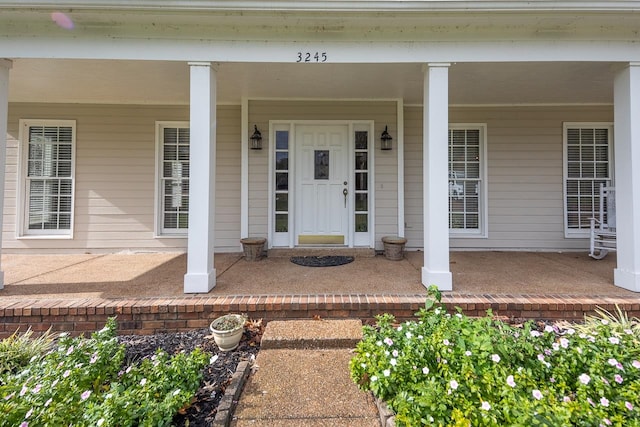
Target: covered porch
x=144, y=290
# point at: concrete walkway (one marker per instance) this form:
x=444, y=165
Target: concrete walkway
x=301, y=378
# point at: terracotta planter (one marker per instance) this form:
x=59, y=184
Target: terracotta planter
x=227, y=331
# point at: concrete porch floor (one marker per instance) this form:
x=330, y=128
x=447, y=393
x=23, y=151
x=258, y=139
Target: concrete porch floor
x=77, y=293
x=140, y=275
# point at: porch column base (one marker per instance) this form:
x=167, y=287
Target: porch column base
x=626, y=279
x=442, y=279
x=195, y=283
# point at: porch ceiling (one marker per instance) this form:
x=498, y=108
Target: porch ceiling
x=163, y=82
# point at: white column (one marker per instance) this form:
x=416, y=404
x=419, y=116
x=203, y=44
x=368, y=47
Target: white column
x=627, y=176
x=201, y=275
x=435, y=177
x=5, y=66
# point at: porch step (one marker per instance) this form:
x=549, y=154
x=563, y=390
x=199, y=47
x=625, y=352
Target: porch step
x=311, y=334
x=321, y=251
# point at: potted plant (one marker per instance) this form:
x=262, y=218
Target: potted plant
x=227, y=331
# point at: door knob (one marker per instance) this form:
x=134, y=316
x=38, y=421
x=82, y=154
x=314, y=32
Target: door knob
x=345, y=192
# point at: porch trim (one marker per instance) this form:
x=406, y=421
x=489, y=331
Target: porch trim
x=400, y=147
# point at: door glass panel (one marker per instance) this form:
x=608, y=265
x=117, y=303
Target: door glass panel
x=361, y=161
x=361, y=202
x=361, y=181
x=362, y=223
x=282, y=202
x=282, y=181
x=282, y=160
x=282, y=223
x=362, y=140
x=282, y=140
x=321, y=164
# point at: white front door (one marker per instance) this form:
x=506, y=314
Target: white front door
x=322, y=185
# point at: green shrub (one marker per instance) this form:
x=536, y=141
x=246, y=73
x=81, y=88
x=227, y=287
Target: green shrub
x=451, y=370
x=17, y=350
x=83, y=383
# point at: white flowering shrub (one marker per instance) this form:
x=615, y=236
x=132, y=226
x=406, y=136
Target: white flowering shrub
x=82, y=382
x=453, y=370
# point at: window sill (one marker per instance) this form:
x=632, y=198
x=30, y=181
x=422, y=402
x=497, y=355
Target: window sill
x=45, y=237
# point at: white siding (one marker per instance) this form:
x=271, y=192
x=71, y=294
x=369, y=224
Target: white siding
x=383, y=113
x=524, y=162
x=115, y=177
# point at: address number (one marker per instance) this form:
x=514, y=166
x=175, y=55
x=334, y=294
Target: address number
x=312, y=57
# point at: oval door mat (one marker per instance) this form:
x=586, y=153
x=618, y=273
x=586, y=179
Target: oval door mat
x=321, y=261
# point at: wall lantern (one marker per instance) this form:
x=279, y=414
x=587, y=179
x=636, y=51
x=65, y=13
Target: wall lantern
x=256, y=139
x=385, y=140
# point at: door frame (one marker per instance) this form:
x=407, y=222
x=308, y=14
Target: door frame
x=352, y=239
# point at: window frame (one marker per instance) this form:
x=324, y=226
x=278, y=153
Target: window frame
x=22, y=230
x=571, y=233
x=160, y=231
x=483, y=211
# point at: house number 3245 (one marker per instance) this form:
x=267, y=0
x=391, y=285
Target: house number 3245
x=311, y=57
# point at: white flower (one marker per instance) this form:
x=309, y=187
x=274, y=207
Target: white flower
x=635, y=364
x=100, y=422
x=628, y=405
x=536, y=394
x=386, y=372
x=564, y=343
x=566, y=399
x=555, y=346
x=459, y=316
x=395, y=353
x=612, y=362
x=495, y=358
x=604, y=321
x=28, y=414
x=48, y=402
x=425, y=370
x=571, y=331
x=535, y=333
x=408, y=335
x=510, y=381
x=467, y=353
x=399, y=328
x=176, y=392
x=618, y=379
x=628, y=331
x=393, y=362
x=548, y=328
x=445, y=341
x=388, y=341
x=453, y=384
x=143, y=382
x=85, y=395
x=604, y=401
x=374, y=379
x=614, y=340
x=485, y=406
x=584, y=379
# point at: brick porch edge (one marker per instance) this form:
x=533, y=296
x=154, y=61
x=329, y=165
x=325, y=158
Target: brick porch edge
x=151, y=315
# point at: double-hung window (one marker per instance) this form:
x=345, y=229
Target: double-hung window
x=588, y=153
x=173, y=178
x=47, y=177
x=467, y=192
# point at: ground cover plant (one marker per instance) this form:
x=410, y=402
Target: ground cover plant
x=83, y=382
x=452, y=370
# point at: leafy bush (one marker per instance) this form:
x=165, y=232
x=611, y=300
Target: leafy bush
x=452, y=370
x=83, y=382
x=19, y=349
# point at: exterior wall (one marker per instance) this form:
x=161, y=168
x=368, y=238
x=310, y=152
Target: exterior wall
x=115, y=179
x=385, y=162
x=525, y=175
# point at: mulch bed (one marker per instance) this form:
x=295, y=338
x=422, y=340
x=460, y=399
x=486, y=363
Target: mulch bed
x=216, y=376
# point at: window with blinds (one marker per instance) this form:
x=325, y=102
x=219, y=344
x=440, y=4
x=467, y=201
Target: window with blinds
x=465, y=180
x=587, y=166
x=174, y=178
x=48, y=177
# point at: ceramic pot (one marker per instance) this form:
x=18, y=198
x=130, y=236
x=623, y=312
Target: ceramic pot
x=227, y=331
